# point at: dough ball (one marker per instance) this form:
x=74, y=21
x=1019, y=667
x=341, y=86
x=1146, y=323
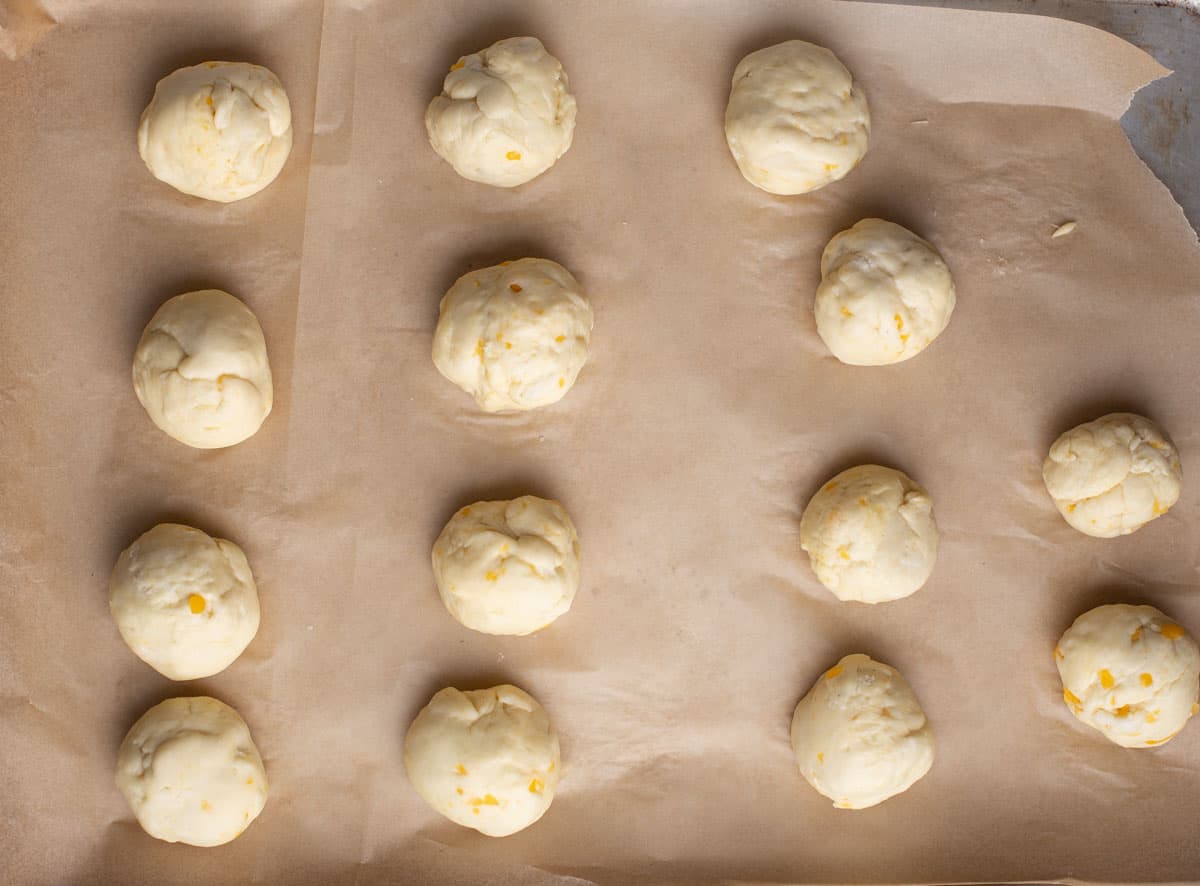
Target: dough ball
x=860, y=735
x=1130, y=672
x=885, y=294
x=508, y=567
x=191, y=772
x=796, y=120
x=486, y=759
x=1114, y=475
x=514, y=336
x=504, y=115
x=220, y=130
x=201, y=370
x=870, y=535
x=184, y=602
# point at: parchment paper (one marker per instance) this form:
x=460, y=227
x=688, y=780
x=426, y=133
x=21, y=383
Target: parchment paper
x=708, y=413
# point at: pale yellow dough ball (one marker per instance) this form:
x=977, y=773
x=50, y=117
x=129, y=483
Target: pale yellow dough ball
x=219, y=130
x=514, y=336
x=508, y=567
x=1130, y=672
x=201, y=370
x=870, y=534
x=487, y=759
x=1114, y=475
x=505, y=114
x=184, y=602
x=860, y=735
x=796, y=120
x=191, y=773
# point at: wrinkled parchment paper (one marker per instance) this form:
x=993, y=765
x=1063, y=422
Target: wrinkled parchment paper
x=708, y=414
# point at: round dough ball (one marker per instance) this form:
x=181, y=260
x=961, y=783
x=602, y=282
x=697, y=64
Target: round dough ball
x=514, y=336
x=860, y=735
x=191, y=772
x=870, y=534
x=201, y=370
x=795, y=121
x=505, y=115
x=885, y=294
x=1130, y=672
x=1114, y=475
x=508, y=567
x=184, y=602
x=220, y=130
x=486, y=759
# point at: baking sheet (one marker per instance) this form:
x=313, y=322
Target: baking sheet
x=707, y=415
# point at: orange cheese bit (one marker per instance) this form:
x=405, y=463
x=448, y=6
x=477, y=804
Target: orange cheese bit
x=833, y=672
x=513, y=155
x=1106, y=678
x=1171, y=631
x=196, y=603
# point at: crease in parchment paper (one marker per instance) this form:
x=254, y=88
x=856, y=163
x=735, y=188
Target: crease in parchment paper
x=708, y=413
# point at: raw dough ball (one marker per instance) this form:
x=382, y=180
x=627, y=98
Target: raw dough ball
x=885, y=294
x=504, y=115
x=514, y=336
x=191, y=772
x=220, y=130
x=870, y=534
x=1130, y=672
x=508, y=567
x=796, y=121
x=860, y=735
x=184, y=602
x=1113, y=475
x=201, y=370
x=486, y=759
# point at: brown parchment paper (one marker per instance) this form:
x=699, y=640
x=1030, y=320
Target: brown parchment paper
x=708, y=414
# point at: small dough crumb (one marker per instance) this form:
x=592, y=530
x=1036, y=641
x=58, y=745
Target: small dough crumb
x=191, y=772
x=870, y=534
x=1131, y=672
x=508, y=567
x=1114, y=475
x=1063, y=229
x=860, y=735
x=505, y=114
x=486, y=759
x=796, y=120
